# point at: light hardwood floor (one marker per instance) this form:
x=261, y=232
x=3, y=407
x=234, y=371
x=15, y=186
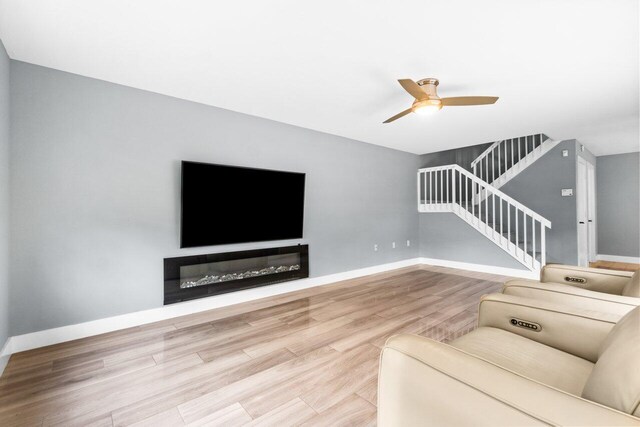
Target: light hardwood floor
x=308, y=357
x=612, y=265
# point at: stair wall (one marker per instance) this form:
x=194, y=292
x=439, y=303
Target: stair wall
x=460, y=156
x=445, y=236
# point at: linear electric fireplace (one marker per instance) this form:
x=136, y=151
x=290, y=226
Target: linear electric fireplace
x=199, y=276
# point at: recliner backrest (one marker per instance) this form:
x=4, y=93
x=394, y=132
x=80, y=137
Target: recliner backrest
x=632, y=289
x=615, y=379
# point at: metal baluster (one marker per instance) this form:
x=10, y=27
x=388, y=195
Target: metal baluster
x=493, y=165
x=543, y=247
x=446, y=186
x=519, y=150
x=524, y=231
x=435, y=190
x=466, y=194
x=453, y=186
x=419, y=190
x=533, y=240
x=515, y=211
x=441, y=193
x=486, y=168
x=486, y=204
x=512, y=162
x=508, y=224
x=501, y=220
x=424, y=180
x=431, y=187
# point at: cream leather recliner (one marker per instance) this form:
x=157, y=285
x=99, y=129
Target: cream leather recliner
x=588, y=288
x=529, y=362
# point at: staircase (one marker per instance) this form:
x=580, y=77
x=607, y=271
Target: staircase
x=509, y=224
x=505, y=159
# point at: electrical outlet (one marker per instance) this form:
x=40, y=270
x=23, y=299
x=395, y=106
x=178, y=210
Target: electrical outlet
x=565, y=153
x=408, y=242
x=375, y=248
x=393, y=245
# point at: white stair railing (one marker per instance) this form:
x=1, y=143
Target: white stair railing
x=503, y=155
x=511, y=225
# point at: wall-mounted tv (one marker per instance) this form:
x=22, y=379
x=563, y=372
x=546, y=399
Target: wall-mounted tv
x=229, y=204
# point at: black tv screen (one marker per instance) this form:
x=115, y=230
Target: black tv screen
x=229, y=204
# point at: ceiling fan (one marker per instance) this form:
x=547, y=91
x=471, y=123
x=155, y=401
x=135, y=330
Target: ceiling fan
x=428, y=101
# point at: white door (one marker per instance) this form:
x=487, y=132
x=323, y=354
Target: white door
x=591, y=210
x=582, y=204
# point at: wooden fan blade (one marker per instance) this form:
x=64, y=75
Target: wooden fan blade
x=397, y=116
x=468, y=100
x=413, y=88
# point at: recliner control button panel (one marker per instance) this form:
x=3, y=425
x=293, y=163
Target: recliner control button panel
x=526, y=324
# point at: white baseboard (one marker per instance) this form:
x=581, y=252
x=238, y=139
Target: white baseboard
x=481, y=268
x=618, y=258
x=46, y=337
x=5, y=354
x=95, y=327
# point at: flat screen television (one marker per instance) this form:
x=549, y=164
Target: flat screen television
x=229, y=204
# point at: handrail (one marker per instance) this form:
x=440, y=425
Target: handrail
x=494, y=190
x=487, y=151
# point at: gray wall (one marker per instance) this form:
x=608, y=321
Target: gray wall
x=445, y=236
x=540, y=186
x=4, y=195
x=460, y=156
x=618, y=187
x=95, y=193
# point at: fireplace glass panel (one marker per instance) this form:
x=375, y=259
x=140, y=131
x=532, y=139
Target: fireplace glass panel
x=225, y=271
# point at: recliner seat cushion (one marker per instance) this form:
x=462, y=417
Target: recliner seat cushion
x=537, y=361
x=615, y=380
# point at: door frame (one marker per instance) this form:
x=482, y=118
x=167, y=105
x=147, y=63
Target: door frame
x=581, y=213
x=586, y=212
x=592, y=215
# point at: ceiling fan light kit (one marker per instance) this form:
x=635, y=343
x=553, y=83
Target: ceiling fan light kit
x=427, y=100
x=427, y=106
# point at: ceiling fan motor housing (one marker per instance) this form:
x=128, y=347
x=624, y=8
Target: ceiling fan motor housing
x=428, y=81
x=429, y=86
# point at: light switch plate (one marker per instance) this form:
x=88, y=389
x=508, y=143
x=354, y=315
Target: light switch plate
x=565, y=153
x=566, y=192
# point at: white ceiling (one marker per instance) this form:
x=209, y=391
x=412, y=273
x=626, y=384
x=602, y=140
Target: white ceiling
x=568, y=68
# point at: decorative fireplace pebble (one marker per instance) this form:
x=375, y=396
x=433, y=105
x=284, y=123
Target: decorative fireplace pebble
x=208, y=280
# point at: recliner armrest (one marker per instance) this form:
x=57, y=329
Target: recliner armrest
x=571, y=296
x=595, y=279
x=570, y=329
x=424, y=382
